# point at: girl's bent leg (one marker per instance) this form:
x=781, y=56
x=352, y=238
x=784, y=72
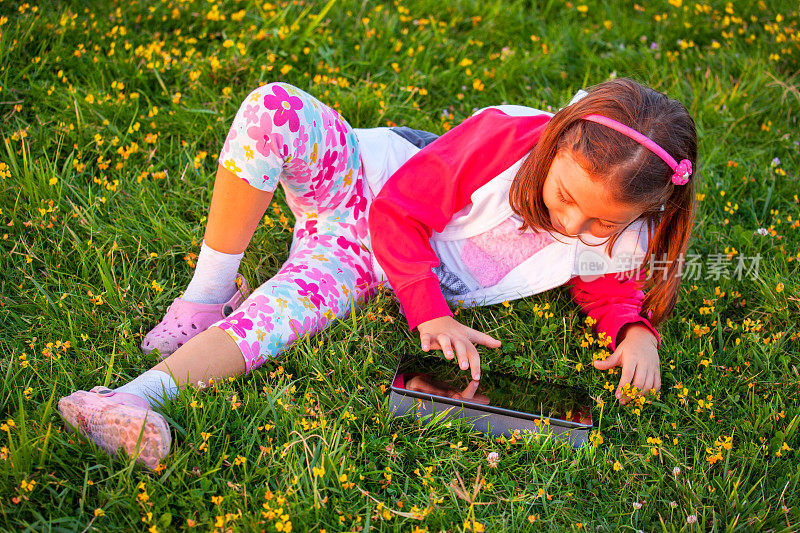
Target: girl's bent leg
x=288, y=136
x=325, y=277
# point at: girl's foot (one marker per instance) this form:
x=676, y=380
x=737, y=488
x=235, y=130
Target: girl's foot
x=186, y=319
x=114, y=421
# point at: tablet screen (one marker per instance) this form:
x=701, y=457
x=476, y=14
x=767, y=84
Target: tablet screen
x=440, y=379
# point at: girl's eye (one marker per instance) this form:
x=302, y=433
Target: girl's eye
x=605, y=226
x=561, y=197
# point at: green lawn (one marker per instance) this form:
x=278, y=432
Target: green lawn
x=112, y=119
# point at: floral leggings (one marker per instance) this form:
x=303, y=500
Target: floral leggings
x=281, y=133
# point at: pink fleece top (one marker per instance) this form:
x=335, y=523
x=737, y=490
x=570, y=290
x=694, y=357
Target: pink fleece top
x=423, y=195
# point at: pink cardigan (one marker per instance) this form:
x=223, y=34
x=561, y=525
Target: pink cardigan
x=437, y=182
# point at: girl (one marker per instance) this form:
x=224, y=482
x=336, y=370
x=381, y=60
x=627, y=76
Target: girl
x=511, y=202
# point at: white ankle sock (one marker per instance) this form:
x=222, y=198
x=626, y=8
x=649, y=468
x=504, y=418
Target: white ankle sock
x=214, y=276
x=154, y=386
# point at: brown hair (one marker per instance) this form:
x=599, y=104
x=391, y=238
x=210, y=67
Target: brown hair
x=634, y=175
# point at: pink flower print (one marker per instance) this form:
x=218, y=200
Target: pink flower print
x=277, y=146
x=333, y=303
x=358, y=203
x=226, y=147
x=239, y=324
x=323, y=181
x=361, y=228
x=338, y=197
x=345, y=244
x=327, y=285
x=328, y=162
x=298, y=170
x=255, y=304
x=300, y=142
x=341, y=162
x=250, y=113
x=321, y=193
x=266, y=320
x=251, y=353
x=283, y=151
x=309, y=228
x=262, y=134
x=324, y=240
x=329, y=125
x=342, y=131
x=344, y=257
x=285, y=107
x=298, y=329
x=300, y=254
x=282, y=277
x=364, y=279
x=360, y=184
x=311, y=290
x=292, y=268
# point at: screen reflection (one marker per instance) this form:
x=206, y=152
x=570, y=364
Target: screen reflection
x=429, y=376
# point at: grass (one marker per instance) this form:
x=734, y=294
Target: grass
x=112, y=116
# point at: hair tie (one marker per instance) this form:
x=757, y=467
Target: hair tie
x=681, y=171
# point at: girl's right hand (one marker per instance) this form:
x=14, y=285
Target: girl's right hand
x=455, y=340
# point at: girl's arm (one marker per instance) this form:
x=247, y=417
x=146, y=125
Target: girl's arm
x=425, y=193
x=616, y=305
x=614, y=301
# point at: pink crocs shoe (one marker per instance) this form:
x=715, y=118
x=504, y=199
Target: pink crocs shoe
x=114, y=420
x=185, y=319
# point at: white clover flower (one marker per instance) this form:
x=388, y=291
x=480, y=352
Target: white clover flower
x=676, y=471
x=673, y=504
x=637, y=505
x=762, y=231
x=493, y=459
x=691, y=519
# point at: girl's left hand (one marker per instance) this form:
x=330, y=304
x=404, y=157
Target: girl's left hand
x=638, y=356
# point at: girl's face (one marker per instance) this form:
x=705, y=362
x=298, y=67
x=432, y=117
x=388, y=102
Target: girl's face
x=577, y=204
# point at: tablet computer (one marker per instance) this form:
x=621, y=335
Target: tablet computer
x=498, y=403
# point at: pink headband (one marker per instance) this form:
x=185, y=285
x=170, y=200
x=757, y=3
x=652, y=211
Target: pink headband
x=681, y=170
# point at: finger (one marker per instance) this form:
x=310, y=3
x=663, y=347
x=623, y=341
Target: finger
x=627, y=375
x=444, y=343
x=478, y=337
x=425, y=341
x=640, y=379
x=648, y=383
x=469, y=392
x=612, y=361
x=474, y=361
x=461, y=353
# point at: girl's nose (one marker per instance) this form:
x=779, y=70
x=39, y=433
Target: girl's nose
x=573, y=223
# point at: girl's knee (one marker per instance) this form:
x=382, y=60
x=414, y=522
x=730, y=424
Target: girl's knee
x=276, y=115
x=270, y=90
